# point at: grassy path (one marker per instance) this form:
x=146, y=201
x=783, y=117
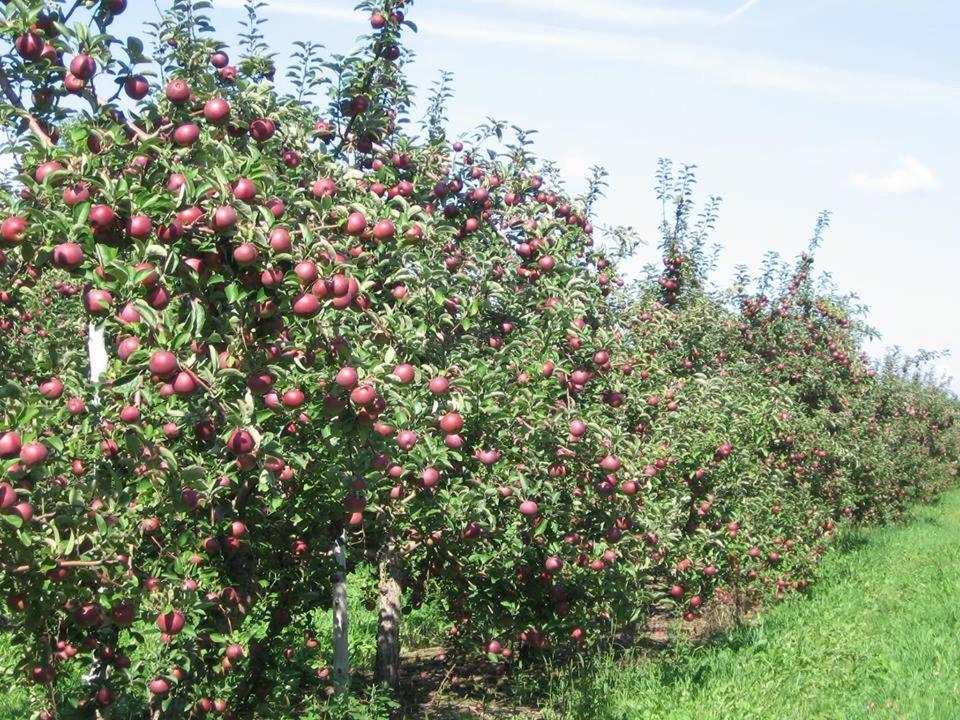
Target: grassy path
x=878, y=637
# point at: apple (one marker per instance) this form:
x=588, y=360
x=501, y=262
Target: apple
x=241, y=442
x=68, y=256
x=139, y=226
x=326, y=187
x=346, y=377
x=163, y=363
x=216, y=111
x=83, y=67
x=246, y=254
x=52, y=388
x=383, y=230
x=404, y=373
x=33, y=453
x=45, y=170
x=97, y=302
x=136, y=87
x=305, y=305
x=451, y=423
x=171, y=623
x=177, y=91
x=29, y=46
x=244, y=190
x=262, y=129
x=13, y=230
x=186, y=135
x=356, y=223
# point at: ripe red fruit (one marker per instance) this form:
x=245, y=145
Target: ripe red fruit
x=52, y=388
x=244, y=190
x=73, y=84
x=97, y=302
x=178, y=92
x=163, y=363
x=439, y=385
x=68, y=256
x=185, y=384
x=305, y=305
x=139, y=226
x=406, y=439
x=102, y=217
x=10, y=444
x=346, y=378
x=8, y=496
x=262, y=129
x=325, y=187
x=186, y=134
x=546, y=263
x=241, y=442
x=29, y=46
x=280, y=240
x=293, y=398
x=306, y=270
x=528, y=508
x=404, y=373
x=234, y=652
x=363, y=395
x=451, y=423
x=246, y=254
x=76, y=194
x=33, y=453
x=105, y=696
x=383, y=230
x=610, y=463
x=159, y=686
x=83, y=66
x=44, y=170
x=13, y=230
x=224, y=218
x=216, y=110
x=136, y=87
x=219, y=59
x=356, y=223
x=578, y=427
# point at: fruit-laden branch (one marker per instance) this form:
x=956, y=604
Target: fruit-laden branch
x=14, y=100
x=68, y=564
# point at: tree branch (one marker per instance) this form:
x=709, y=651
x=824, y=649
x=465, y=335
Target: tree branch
x=35, y=127
x=121, y=119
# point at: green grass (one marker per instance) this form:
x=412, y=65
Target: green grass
x=878, y=637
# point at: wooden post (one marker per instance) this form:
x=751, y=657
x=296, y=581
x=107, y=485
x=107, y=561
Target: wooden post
x=341, y=648
x=387, y=672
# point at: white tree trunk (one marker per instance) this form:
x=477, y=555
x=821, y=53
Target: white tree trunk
x=341, y=649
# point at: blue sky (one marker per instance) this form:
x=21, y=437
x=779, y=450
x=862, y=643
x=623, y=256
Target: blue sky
x=788, y=107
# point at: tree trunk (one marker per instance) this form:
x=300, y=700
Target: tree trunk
x=387, y=671
x=341, y=649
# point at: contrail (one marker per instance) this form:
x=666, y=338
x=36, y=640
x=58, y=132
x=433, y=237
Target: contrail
x=740, y=11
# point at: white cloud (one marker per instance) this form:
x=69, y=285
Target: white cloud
x=727, y=67
x=911, y=176
x=740, y=10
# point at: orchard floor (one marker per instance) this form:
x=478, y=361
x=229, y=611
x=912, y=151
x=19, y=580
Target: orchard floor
x=878, y=636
